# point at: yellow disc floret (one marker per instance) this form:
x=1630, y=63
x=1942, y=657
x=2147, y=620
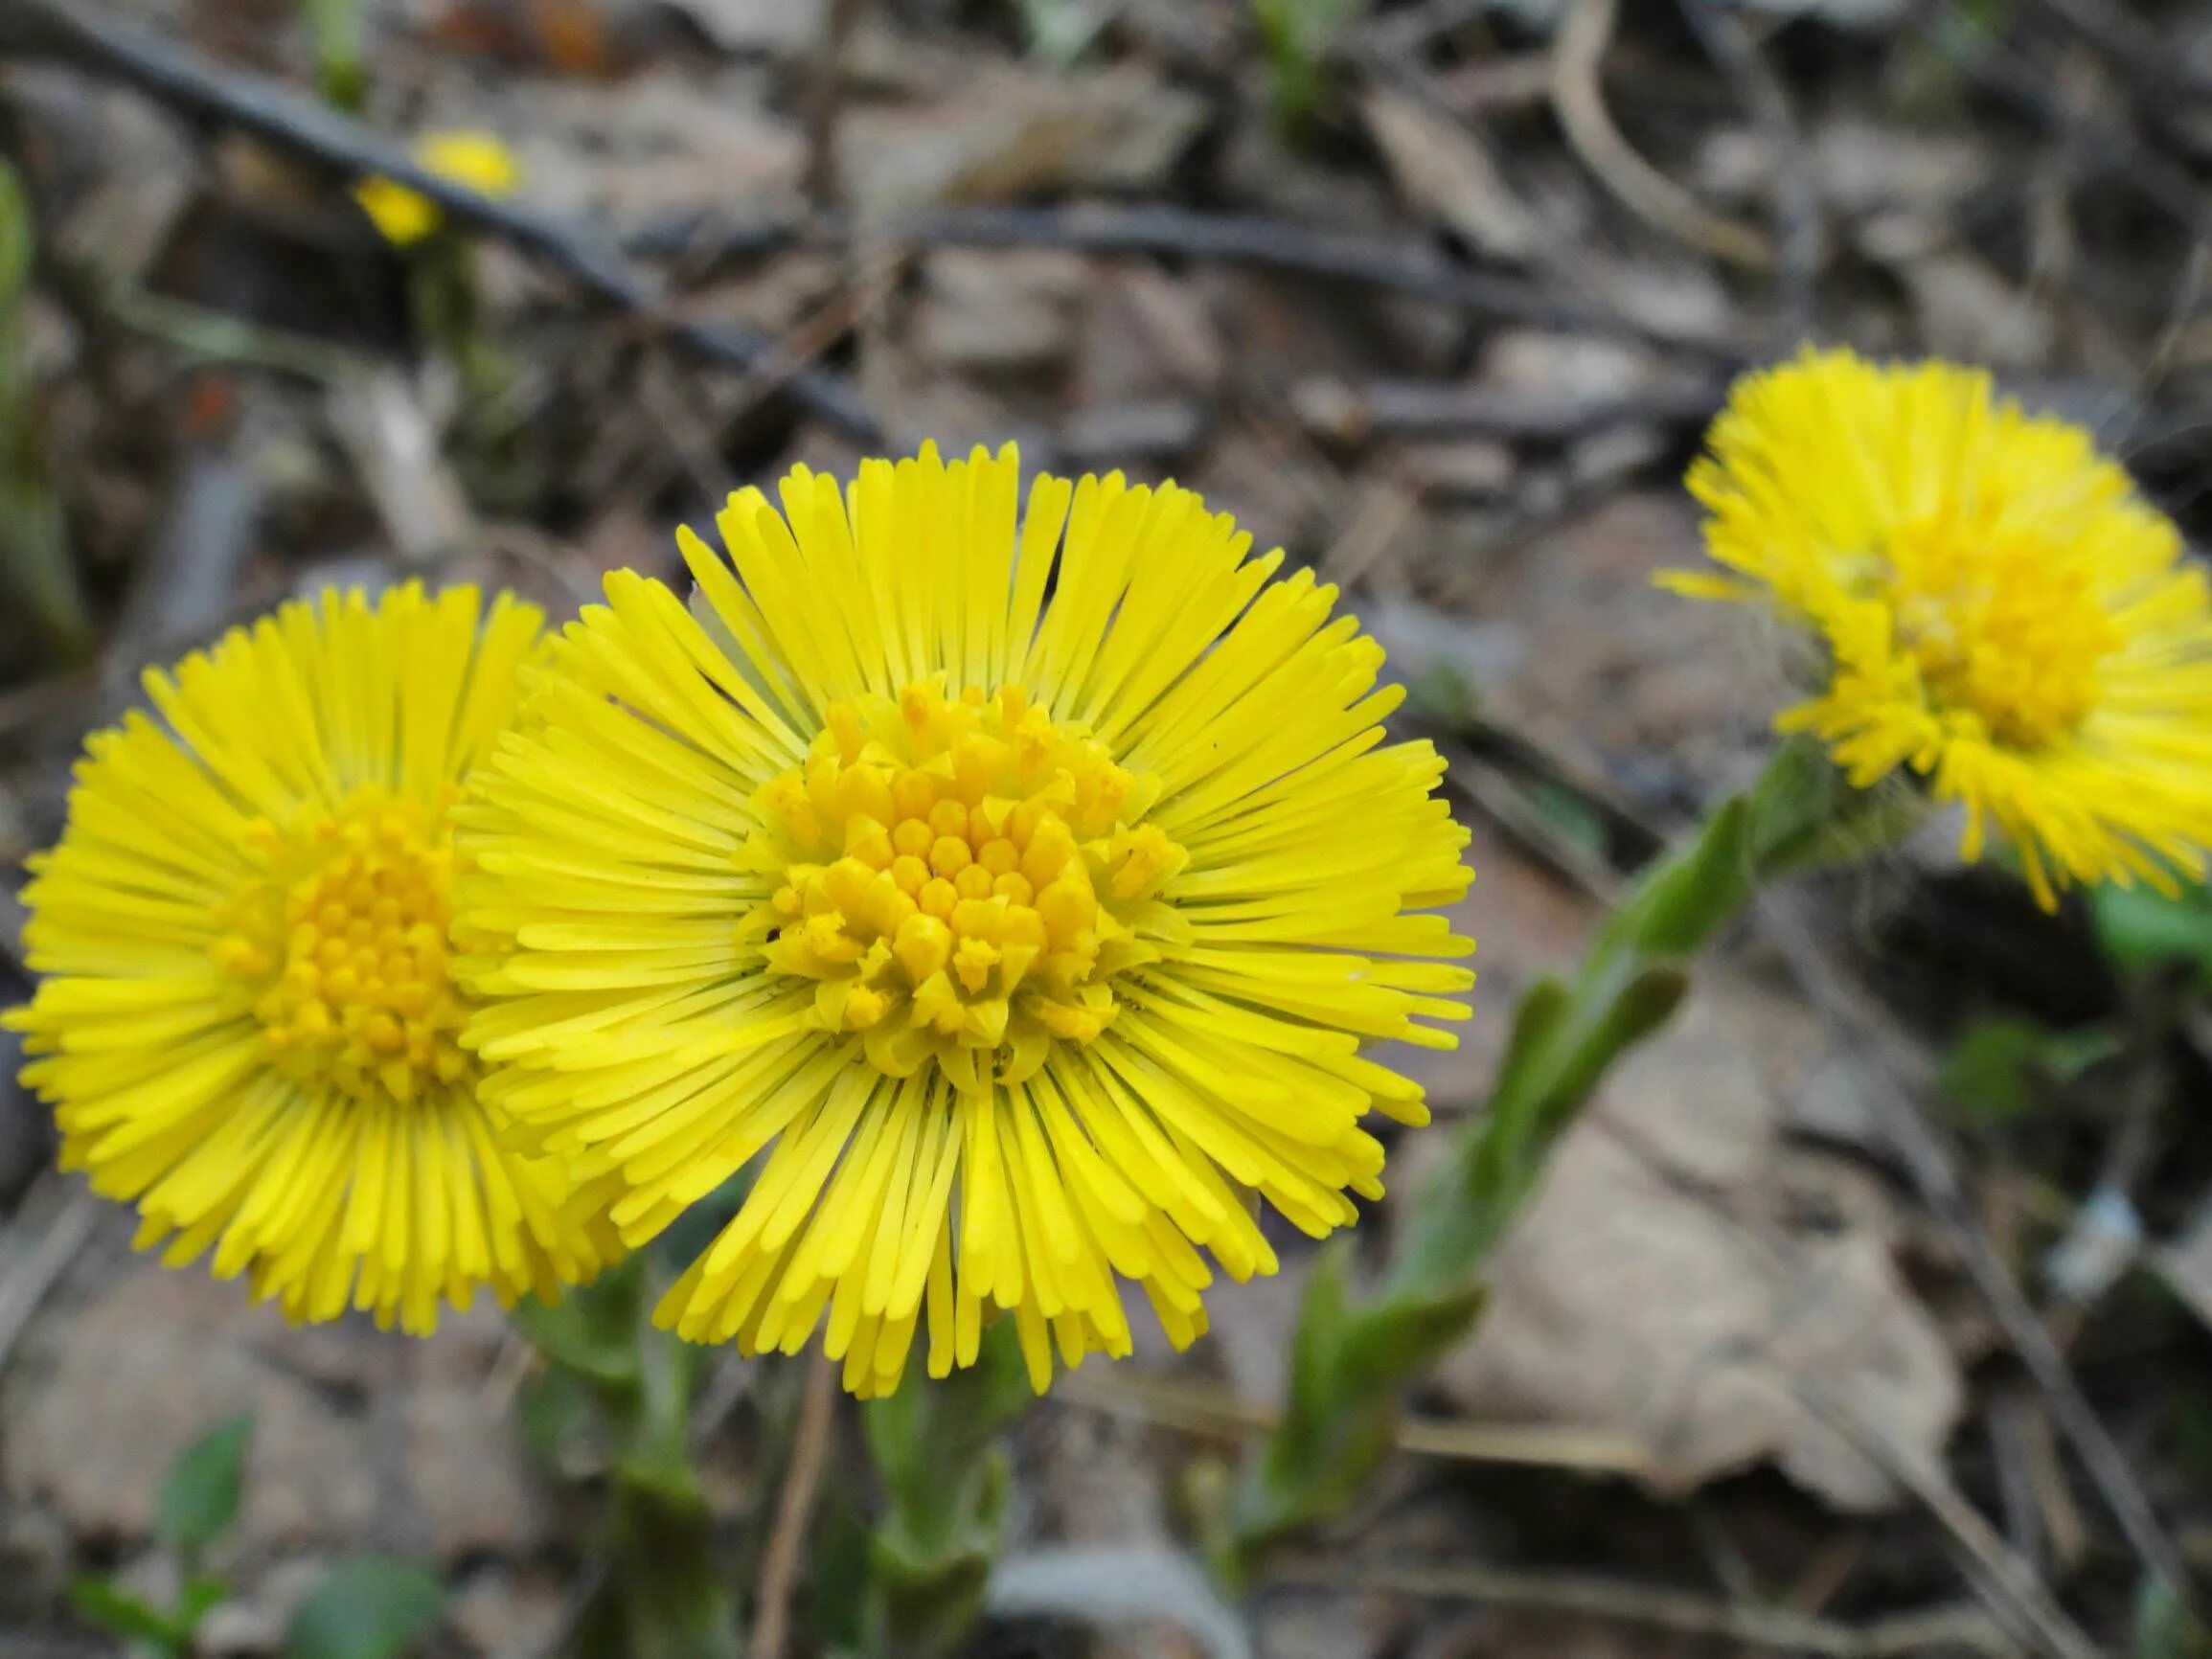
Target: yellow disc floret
x=963, y=878
x=343, y=942
x=2000, y=624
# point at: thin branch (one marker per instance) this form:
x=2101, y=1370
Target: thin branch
x=2006, y=1578
x=25, y=1288
x=180, y=79
x=1412, y=268
x=1681, y=1611
x=825, y=99
x=2006, y=1581
x=1892, y=1081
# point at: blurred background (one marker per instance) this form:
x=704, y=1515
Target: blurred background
x=1438, y=296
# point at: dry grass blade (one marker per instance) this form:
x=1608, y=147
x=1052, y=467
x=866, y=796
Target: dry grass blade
x=1932, y=1174
x=1641, y=188
x=23, y=1289
x=794, y=1510
x=1198, y=1409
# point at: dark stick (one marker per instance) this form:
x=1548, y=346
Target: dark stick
x=1449, y=409
x=1411, y=268
x=183, y=80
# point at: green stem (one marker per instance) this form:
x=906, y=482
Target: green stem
x=341, y=73
x=1350, y=1360
x=666, y=1595
x=945, y=1483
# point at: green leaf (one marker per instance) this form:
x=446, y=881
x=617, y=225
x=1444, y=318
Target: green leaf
x=121, y=1613
x=2145, y=931
x=2001, y=1067
x=2165, y=1627
x=1994, y=1068
x=592, y=1330
x=201, y=1597
x=367, y=1607
x=14, y=238
x=200, y=1497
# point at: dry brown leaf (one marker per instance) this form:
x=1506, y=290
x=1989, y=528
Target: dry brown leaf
x=1007, y=133
x=1148, y=334
x=1686, y=1265
x=104, y=1397
x=1443, y=171
x=990, y=311
x=668, y=143
x=1665, y=699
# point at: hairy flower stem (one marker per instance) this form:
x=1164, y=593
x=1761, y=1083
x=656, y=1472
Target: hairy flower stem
x=666, y=1592
x=1353, y=1357
x=945, y=1475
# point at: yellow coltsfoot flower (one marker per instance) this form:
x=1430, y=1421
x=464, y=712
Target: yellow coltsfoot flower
x=1022, y=884
x=2000, y=613
x=480, y=160
x=247, y=1025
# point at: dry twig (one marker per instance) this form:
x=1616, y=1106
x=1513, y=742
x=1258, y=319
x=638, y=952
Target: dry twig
x=1414, y=269
x=825, y=97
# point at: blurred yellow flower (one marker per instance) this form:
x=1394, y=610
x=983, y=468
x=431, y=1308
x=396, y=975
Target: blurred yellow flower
x=246, y=1025
x=2000, y=611
x=479, y=160
x=1023, y=884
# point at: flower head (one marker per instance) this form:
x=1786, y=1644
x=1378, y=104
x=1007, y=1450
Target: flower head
x=1023, y=883
x=247, y=1026
x=2000, y=613
x=479, y=160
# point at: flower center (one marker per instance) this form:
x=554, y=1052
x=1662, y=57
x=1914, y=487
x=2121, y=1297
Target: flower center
x=961, y=877
x=343, y=944
x=2003, y=625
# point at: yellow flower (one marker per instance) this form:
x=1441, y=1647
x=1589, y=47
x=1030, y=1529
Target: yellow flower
x=247, y=1026
x=1024, y=886
x=2000, y=613
x=479, y=160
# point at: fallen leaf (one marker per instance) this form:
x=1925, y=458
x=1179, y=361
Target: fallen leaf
x=1686, y=1268
x=670, y=144
x=768, y=28
x=1011, y=134
x=106, y=1395
x=992, y=312
x=1443, y=171
x=1665, y=699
